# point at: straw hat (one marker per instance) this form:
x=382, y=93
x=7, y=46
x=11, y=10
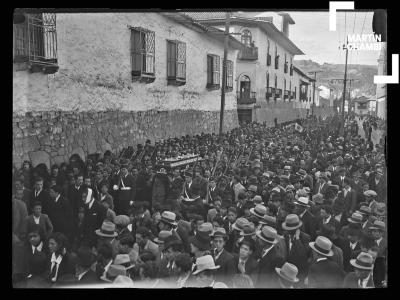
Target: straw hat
x=268, y=234
x=364, y=261
x=292, y=222
x=240, y=223
x=122, y=220
x=288, y=272
x=162, y=235
x=259, y=211
x=248, y=230
x=203, y=263
x=302, y=201
x=107, y=230
x=169, y=217
x=378, y=225
x=356, y=218
x=322, y=245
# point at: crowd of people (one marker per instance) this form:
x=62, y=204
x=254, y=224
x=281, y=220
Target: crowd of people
x=256, y=207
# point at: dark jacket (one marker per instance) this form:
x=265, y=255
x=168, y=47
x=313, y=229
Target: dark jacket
x=94, y=218
x=299, y=253
x=227, y=267
x=350, y=200
x=325, y=274
x=309, y=224
x=43, y=198
x=266, y=269
x=351, y=282
x=75, y=198
x=250, y=267
x=44, y=223
x=60, y=214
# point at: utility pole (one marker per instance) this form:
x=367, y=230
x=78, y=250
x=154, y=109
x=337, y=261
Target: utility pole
x=221, y=115
x=344, y=88
x=313, y=100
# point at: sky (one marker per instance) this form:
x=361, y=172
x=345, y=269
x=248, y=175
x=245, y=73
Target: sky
x=311, y=34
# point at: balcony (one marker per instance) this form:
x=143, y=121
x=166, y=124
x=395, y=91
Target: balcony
x=249, y=53
x=292, y=95
x=285, y=68
x=303, y=97
x=277, y=63
x=268, y=59
x=278, y=93
x=286, y=94
x=246, y=98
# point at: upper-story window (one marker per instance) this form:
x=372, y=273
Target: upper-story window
x=213, y=71
x=229, y=75
x=35, y=41
x=143, y=54
x=176, y=62
x=246, y=37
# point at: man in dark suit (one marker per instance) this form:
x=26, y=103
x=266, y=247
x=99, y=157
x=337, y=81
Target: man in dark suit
x=244, y=262
x=27, y=194
x=222, y=257
x=326, y=217
x=308, y=219
x=75, y=194
x=350, y=246
x=60, y=213
x=297, y=245
x=362, y=275
x=126, y=188
x=324, y=273
x=378, y=183
x=322, y=184
x=339, y=180
x=40, y=195
x=269, y=260
x=95, y=214
x=349, y=195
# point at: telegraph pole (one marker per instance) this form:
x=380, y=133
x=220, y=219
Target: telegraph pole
x=221, y=115
x=344, y=87
x=313, y=100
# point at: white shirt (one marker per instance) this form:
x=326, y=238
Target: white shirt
x=265, y=252
x=218, y=255
x=363, y=283
x=38, y=248
x=338, y=217
x=55, y=263
x=36, y=219
x=302, y=214
x=58, y=197
x=379, y=241
x=81, y=275
x=91, y=203
x=327, y=220
x=353, y=245
x=321, y=258
x=38, y=192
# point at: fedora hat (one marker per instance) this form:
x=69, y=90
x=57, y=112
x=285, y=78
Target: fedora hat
x=288, y=168
x=248, y=230
x=205, y=230
x=259, y=211
x=288, y=272
x=322, y=245
x=162, y=235
x=219, y=232
x=302, y=201
x=240, y=223
x=364, y=261
x=292, y=222
x=365, y=210
x=107, y=230
x=122, y=259
x=169, y=217
x=268, y=220
x=257, y=199
x=122, y=220
x=301, y=172
x=378, y=225
x=113, y=272
x=252, y=188
x=268, y=234
x=203, y=263
x=123, y=282
x=318, y=198
x=355, y=218
x=370, y=193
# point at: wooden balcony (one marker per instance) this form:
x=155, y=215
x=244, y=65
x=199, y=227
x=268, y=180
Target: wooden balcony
x=286, y=94
x=246, y=98
x=278, y=93
x=249, y=53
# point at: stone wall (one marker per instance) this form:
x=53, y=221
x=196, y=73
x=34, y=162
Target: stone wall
x=52, y=137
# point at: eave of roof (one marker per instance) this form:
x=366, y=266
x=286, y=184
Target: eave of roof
x=287, y=17
x=296, y=69
x=267, y=27
x=215, y=33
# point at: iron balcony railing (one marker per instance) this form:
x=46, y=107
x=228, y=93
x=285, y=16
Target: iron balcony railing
x=246, y=97
x=249, y=53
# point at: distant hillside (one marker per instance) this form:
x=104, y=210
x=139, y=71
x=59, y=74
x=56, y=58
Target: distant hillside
x=364, y=74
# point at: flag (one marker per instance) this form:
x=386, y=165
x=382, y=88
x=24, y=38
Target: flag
x=298, y=127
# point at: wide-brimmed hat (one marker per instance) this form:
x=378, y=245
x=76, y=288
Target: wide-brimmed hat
x=288, y=272
x=268, y=220
x=248, y=229
x=203, y=263
x=205, y=229
x=114, y=271
x=169, y=217
x=240, y=223
x=302, y=201
x=252, y=188
x=355, y=218
x=322, y=245
x=287, y=168
x=257, y=199
x=122, y=259
x=107, y=230
x=370, y=193
x=301, y=172
x=378, y=225
x=365, y=210
x=289, y=188
x=162, y=235
x=292, y=222
x=364, y=261
x=219, y=232
x=318, y=198
x=268, y=234
x=122, y=220
x=259, y=211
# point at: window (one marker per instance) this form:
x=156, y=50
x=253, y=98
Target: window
x=295, y=92
x=213, y=71
x=276, y=58
x=176, y=62
x=246, y=37
x=35, y=41
x=267, y=80
x=229, y=75
x=268, y=55
x=143, y=54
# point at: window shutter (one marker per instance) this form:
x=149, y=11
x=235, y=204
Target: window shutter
x=209, y=69
x=171, y=59
x=216, y=69
x=136, y=52
x=229, y=74
x=181, y=60
x=149, y=48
